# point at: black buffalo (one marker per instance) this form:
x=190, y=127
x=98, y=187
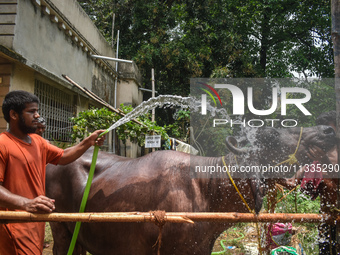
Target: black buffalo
x=163, y=180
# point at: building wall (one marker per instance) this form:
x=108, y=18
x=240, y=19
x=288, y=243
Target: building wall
x=5, y=78
x=8, y=10
x=45, y=44
x=46, y=39
x=129, y=80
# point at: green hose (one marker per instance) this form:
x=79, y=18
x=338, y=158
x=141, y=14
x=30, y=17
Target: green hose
x=226, y=248
x=85, y=196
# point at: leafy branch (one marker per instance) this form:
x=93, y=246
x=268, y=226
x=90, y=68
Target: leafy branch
x=94, y=119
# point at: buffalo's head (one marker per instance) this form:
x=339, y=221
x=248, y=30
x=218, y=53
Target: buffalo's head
x=273, y=146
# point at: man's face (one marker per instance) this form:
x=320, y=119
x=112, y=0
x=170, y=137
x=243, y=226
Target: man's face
x=28, y=118
x=40, y=129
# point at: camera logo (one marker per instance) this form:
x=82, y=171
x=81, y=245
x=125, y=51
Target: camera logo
x=204, y=97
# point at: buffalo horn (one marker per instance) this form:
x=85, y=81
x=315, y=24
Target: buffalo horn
x=232, y=146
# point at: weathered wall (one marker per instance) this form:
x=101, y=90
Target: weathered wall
x=44, y=39
x=130, y=79
x=47, y=45
x=5, y=81
x=8, y=10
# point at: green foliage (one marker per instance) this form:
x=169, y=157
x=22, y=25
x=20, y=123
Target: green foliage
x=308, y=233
x=94, y=119
x=185, y=39
x=222, y=38
x=179, y=128
x=303, y=202
x=322, y=100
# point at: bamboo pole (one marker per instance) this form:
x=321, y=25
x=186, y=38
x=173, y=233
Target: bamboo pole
x=250, y=217
x=10, y=217
x=174, y=217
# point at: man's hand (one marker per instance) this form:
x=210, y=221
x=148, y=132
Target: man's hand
x=74, y=152
x=40, y=204
x=317, y=154
x=94, y=138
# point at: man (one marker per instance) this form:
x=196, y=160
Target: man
x=323, y=184
x=23, y=157
x=41, y=126
x=328, y=188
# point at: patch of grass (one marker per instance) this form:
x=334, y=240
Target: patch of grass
x=48, y=234
x=307, y=233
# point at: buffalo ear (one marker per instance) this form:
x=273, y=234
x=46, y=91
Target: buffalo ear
x=268, y=137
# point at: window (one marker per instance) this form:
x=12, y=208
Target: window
x=57, y=107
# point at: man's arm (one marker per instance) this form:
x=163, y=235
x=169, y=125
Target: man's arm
x=39, y=204
x=72, y=153
x=292, y=182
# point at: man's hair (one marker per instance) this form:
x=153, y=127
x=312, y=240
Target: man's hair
x=16, y=100
x=326, y=118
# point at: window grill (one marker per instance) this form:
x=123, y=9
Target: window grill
x=57, y=107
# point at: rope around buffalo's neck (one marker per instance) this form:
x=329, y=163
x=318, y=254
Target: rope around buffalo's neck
x=291, y=160
x=292, y=157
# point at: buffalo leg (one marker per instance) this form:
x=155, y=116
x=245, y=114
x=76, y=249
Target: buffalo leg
x=62, y=239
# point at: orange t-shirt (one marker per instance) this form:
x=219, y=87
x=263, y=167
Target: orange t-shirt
x=22, y=171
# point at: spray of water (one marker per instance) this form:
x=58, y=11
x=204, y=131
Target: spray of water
x=191, y=103
x=160, y=101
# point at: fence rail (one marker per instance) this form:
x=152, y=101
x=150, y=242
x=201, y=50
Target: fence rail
x=175, y=217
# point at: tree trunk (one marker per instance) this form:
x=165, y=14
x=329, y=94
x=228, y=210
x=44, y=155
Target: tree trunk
x=264, y=43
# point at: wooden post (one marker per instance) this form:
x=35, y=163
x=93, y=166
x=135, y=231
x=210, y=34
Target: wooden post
x=153, y=91
x=335, y=12
x=153, y=95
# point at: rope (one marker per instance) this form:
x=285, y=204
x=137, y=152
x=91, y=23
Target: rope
x=291, y=160
x=232, y=181
x=278, y=201
x=246, y=204
x=160, y=220
x=292, y=157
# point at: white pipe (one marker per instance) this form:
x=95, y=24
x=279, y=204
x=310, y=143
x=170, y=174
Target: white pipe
x=147, y=90
x=113, y=59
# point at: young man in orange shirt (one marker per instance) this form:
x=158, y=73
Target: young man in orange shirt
x=23, y=157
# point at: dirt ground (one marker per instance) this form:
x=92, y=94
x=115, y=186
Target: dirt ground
x=48, y=240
